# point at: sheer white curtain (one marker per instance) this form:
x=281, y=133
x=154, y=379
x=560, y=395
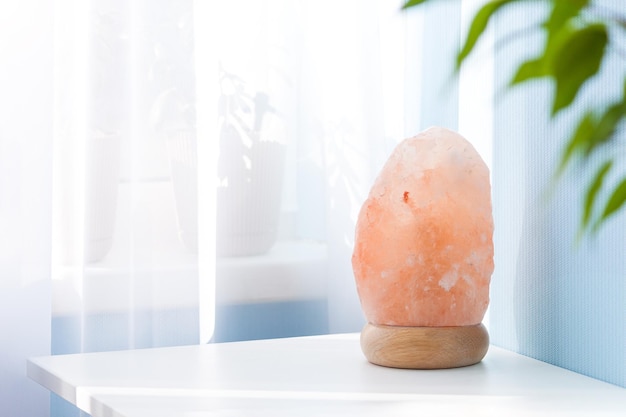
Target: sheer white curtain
x=124, y=271
x=25, y=206
x=193, y=154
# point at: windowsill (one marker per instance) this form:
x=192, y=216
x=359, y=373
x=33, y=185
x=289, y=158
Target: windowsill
x=290, y=271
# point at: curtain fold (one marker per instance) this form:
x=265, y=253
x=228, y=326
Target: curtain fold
x=25, y=201
x=124, y=88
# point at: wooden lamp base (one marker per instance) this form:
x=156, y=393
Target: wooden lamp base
x=424, y=347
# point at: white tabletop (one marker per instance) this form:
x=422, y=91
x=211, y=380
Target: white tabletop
x=314, y=376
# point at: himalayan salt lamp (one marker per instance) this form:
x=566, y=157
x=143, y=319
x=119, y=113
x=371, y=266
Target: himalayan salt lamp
x=423, y=255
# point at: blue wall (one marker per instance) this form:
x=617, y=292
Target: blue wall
x=553, y=299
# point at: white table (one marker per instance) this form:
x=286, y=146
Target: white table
x=314, y=376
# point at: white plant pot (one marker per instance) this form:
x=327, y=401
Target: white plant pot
x=247, y=214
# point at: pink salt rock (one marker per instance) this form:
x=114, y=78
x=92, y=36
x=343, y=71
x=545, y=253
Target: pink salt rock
x=423, y=252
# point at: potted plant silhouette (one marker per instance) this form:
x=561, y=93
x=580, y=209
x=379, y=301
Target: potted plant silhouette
x=250, y=170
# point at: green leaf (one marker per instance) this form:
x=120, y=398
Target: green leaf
x=593, y=131
x=606, y=127
x=618, y=198
x=412, y=3
x=582, y=136
x=533, y=68
x=592, y=193
x=576, y=60
x=542, y=65
x=562, y=13
x=478, y=26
